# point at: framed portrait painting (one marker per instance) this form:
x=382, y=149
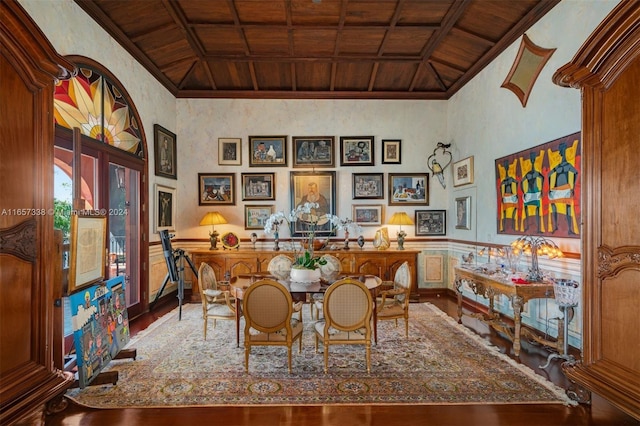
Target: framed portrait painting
x=166, y=207
x=463, y=172
x=463, y=213
x=216, y=188
x=313, y=151
x=267, y=151
x=256, y=216
x=87, y=258
x=431, y=222
x=368, y=215
x=408, y=188
x=230, y=151
x=165, y=153
x=356, y=151
x=313, y=187
x=368, y=186
x=258, y=186
x=391, y=153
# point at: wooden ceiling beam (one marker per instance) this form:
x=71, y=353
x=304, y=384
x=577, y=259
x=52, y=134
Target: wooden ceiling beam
x=306, y=94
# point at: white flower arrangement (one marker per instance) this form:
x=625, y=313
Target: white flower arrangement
x=305, y=212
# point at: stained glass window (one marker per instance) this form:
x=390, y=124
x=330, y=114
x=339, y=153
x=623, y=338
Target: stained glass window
x=92, y=102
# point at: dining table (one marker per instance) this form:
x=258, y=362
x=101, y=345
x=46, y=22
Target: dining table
x=301, y=291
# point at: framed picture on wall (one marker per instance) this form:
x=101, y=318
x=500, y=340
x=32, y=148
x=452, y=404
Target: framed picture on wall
x=267, y=151
x=368, y=186
x=87, y=258
x=408, y=188
x=166, y=208
x=313, y=151
x=216, y=188
x=391, y=153
x=313, y=187
x=431, y=222
x=463, y=212
x=258, y=186
x=368, y=215
x=165, y=152
x=356, y=151
x=230, y=151
x=255, y=217
x=463, y=172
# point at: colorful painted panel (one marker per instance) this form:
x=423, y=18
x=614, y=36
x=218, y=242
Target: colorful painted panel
x=95, y=105
x=538, y=190
x=100, y=326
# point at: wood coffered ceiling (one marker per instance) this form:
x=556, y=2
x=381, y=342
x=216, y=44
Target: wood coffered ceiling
x=315, y=49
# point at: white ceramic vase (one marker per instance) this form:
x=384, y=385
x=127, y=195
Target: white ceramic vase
x=304, y=275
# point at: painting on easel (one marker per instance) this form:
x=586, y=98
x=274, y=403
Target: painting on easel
x=538, y=190
x=100, y=326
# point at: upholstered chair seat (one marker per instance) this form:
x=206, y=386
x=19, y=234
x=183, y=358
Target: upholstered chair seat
x=216, y=304
x=393, y=303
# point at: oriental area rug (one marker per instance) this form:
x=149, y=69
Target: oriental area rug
x=440, y=363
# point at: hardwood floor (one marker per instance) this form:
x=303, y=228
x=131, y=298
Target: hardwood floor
x=599, y=413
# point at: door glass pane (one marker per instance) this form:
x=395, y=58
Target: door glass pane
x=124, y=229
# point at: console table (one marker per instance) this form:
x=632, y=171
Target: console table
x=490, y=286
x=232, y=263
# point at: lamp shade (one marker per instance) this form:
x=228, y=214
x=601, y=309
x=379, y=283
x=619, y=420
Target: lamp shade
x=213, y=218
x=400, y=218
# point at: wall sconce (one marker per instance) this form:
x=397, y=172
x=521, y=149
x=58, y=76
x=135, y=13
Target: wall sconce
x=434, y=165
x=400, y=219
x=213, y=218
x=536, y=246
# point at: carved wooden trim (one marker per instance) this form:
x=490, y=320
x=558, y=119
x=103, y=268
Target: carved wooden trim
x=613, y=261
x=20, y=240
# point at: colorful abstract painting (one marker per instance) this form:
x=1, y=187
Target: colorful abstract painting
x=538, y=190
x=100, y=326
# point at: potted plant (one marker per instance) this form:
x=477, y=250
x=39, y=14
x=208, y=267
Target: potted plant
x=306, y=264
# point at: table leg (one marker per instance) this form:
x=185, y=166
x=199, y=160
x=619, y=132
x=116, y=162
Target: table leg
x=458, y=285
x=375, y=320
x=237, y=322
x=517, y=303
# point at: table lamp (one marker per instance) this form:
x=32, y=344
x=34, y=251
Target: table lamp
x=400, y=218
x=213, y=218
x=536, y=246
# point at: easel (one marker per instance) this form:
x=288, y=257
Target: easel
x=175, y=270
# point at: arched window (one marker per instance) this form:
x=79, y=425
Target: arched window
x=112, y=167
x=100, y=108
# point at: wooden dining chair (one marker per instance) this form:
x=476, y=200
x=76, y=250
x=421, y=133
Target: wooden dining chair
x=216, y=304
x=347, y=308
x=329, y=271
x=280, y=266
x=267, y=307
x=393, y=303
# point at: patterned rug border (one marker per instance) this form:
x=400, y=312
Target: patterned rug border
x=557, y=391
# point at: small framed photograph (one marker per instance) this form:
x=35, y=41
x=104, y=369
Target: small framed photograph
x=166, y=208
x=258, y=186
x=87, y=258
x=313, y=187
x=431, y=222
x=267, y=151
x=216, y=188
x=313, y=151
x=255, y=217
x=356, y=151
x=368, y=186
x=229, y=151
x=165, y=153
x=463, y=212
x=391, y=153
x=463, y=172
x=408, y=188
x=370, y=215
